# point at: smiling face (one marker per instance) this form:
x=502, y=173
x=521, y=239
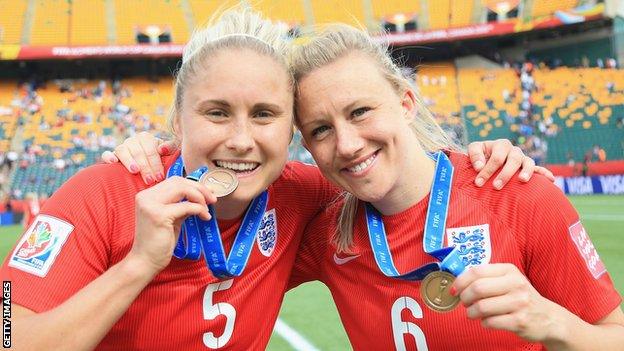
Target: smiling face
x=237, y=114
x=357, y=127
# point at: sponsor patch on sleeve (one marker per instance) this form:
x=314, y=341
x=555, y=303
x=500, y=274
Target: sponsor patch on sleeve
x=587, y=250
x=40, y=245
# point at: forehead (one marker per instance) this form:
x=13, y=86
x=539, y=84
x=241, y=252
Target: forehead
x=347, y=77
x=241, y=73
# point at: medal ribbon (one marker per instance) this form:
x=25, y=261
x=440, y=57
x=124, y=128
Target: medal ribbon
x=197, y=234
x=433, y=236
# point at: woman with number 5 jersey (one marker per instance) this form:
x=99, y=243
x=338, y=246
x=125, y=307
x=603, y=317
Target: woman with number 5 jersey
x=95, y=269
x=415, y=255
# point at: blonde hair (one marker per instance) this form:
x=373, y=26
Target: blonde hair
x=336, y=41
x=232, y=29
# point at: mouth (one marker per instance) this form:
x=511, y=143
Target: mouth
x=241, y=168
x=361, y=167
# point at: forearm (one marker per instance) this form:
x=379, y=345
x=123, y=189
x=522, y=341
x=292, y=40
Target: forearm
x=572, y=334
x=83, y=320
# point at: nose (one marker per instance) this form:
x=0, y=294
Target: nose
x=241, y=137
x=348, y=141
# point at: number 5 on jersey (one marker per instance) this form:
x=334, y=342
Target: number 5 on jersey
x=211, y=311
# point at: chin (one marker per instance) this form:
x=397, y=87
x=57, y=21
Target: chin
x=369, y=195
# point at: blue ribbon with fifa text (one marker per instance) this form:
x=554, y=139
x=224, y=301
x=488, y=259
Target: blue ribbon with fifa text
x=437, y=211
x=197, y=235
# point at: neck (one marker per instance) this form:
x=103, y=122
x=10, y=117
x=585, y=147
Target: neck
x=413, y=185
x=230, y=208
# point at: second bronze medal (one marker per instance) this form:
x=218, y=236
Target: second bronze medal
x=435, y=291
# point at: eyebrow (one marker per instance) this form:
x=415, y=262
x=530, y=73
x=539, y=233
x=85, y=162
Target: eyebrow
x=219, y=103
x=226, y=105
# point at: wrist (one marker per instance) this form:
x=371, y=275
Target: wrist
x=136, y=268
x=561, y=328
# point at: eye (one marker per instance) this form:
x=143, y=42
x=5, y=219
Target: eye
x=320, y=131
x=215, y=113
x=264, y=114
x=358, y=112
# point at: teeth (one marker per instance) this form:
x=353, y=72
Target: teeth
x=362, y=166
x=237, y=166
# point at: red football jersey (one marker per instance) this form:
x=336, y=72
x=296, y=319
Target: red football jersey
x=184, y=307
x=531, y=225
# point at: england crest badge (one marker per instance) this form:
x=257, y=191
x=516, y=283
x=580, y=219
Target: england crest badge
x=40, y=245
x=473, y=243
x=267, y=233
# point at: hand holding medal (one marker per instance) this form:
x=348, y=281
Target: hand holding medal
x=199, y=235
x=503, y=298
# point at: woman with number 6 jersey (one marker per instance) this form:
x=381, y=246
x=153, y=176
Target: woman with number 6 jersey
x=415, y=255
x=95, y=270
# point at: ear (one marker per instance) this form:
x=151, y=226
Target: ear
x=409, y=103
x=177, y=129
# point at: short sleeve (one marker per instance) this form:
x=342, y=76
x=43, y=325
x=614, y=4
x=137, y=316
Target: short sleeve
x=66, y=247
x=562, y=263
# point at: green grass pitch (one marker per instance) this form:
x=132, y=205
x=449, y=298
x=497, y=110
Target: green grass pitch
x=310, y=311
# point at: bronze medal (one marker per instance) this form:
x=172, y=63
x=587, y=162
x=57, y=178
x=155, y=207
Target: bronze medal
x=220, y=181
x=435, y=291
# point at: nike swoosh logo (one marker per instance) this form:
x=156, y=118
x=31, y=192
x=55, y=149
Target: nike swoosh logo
x=340, y=261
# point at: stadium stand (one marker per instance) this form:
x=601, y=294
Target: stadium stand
x=543, y=8
x=439, y=14
x=88, y=22
x=11, y=21
x=290, y=12
x=488, y=101
x=51, y=23
x=383, y=8
x=437, y=84
x=203, y=9
x=131, y=13
x=347, y=11
x=461, y=13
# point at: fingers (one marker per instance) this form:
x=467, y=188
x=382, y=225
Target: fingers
x=497, y=305
x=176, y=189
x=528, y=167
x=157, y=201
x=166, y=148
x=479, y=272
x=149, y=145
x=497, y=151
x=476, y=152
x=109, y=157
x=125, y=157
x=515, y=159
x=134, y=145
x=187, y=208
x=545, y=172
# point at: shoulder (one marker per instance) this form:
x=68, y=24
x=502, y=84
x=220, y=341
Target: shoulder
x=305, y=185
x=299, y=172
x=539, y=191
x=108, y=185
